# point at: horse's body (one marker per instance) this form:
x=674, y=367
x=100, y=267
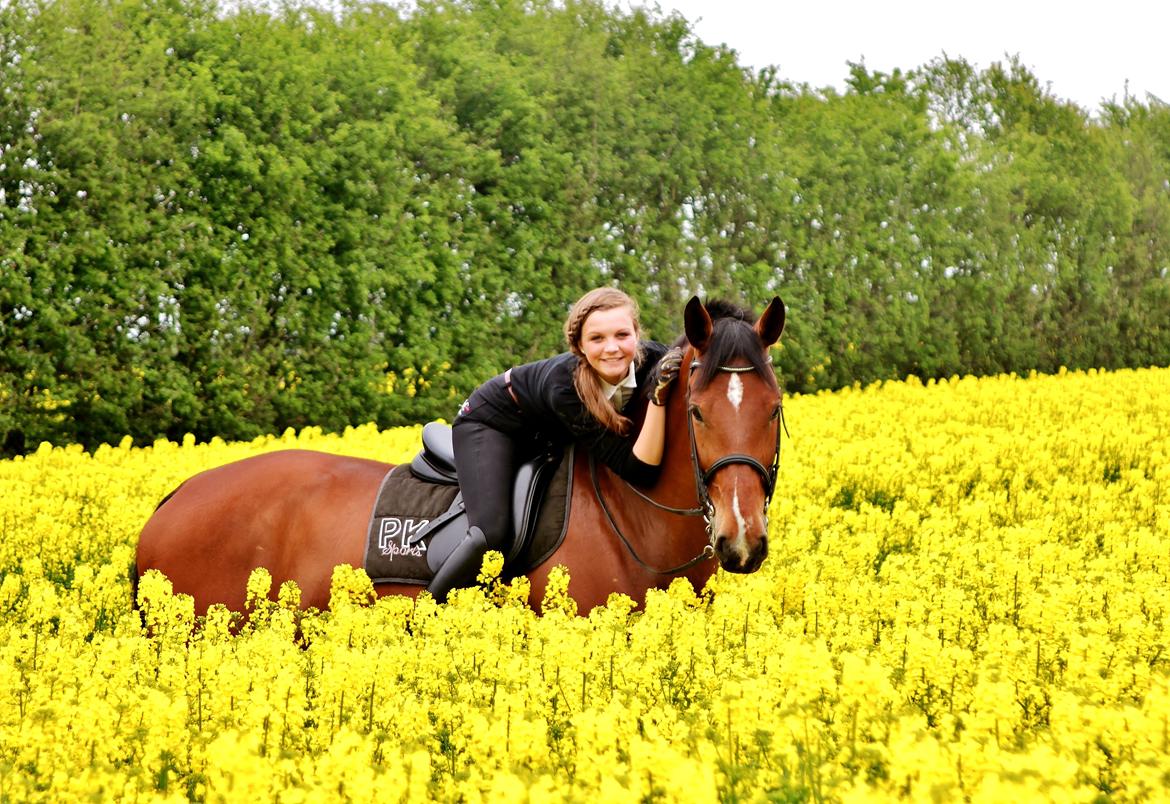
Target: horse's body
x=299, y=513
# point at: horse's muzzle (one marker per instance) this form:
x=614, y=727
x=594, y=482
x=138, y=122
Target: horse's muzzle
x=734, y=557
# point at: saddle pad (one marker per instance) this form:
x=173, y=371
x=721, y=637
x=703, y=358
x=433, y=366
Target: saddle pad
x=405, y=504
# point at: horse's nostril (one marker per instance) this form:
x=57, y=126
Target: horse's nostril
x=760, y=553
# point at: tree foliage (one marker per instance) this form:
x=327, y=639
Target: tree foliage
x=229, y=221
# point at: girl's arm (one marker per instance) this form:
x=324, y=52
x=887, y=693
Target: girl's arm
x=648, y=447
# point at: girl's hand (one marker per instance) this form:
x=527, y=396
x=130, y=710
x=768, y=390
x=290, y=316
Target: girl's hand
x=667, y=371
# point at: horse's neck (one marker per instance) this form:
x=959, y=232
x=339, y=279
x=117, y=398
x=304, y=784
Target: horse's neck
x=663, y=538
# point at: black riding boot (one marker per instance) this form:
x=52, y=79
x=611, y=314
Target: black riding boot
x=461, y=567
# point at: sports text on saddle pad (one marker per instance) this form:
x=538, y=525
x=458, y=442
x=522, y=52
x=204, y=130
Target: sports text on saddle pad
x=395, y=533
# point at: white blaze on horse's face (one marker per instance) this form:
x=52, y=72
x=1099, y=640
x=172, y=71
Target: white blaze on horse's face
x=739, y=539
x=735, y=391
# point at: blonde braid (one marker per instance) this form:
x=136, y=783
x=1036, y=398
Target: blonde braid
x=573, y=325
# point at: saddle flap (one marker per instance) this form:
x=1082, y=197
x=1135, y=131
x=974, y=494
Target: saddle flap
x=424, y=469
x=527, y=495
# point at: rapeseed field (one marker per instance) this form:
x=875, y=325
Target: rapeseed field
x=968, y=598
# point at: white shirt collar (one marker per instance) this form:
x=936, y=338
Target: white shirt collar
x=631, y=381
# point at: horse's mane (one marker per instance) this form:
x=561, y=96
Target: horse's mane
x=732, y=338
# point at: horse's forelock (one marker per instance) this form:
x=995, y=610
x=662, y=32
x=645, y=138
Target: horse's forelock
x=721, y=308
x=732, y=340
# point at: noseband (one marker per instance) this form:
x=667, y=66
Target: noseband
x=703, y=478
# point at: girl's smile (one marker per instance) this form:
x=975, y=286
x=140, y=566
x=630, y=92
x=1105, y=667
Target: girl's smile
x=609, y=340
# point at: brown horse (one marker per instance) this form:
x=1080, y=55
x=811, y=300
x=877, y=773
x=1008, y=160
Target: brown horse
x=299, y=513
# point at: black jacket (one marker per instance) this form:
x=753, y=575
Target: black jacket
x=550, y=410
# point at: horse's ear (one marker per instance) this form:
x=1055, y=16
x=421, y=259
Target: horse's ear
x=697, y=324
x=771, y=323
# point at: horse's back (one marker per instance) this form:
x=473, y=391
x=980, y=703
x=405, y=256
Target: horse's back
x=296, y=513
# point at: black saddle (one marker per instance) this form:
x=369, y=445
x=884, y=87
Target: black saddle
x=435, y=463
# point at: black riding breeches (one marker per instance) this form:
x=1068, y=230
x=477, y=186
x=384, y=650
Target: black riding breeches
x=487, y=460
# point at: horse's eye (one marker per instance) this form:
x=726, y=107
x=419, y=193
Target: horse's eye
x=776, y=413
x=695, y=412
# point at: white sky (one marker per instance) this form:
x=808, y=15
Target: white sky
x=1081, y=51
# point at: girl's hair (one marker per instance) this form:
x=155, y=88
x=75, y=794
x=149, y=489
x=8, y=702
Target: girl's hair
x=585, y=379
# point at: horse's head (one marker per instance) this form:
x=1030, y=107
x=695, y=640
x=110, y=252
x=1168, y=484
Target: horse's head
x=734, y=416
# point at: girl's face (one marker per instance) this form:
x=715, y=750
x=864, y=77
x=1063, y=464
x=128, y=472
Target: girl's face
x=609, y=339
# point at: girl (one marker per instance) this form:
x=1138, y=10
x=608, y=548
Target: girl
x=579, y=396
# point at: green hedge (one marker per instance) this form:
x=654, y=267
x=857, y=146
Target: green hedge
x=229, y=223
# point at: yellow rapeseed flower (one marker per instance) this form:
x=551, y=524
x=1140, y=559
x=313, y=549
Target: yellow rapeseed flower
x=967, y=597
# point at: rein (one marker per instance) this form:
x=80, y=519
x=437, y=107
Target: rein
x=708, y=549
x=706, y=508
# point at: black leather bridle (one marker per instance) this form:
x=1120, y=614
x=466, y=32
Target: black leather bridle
x=706, y=508
x=703, y=478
